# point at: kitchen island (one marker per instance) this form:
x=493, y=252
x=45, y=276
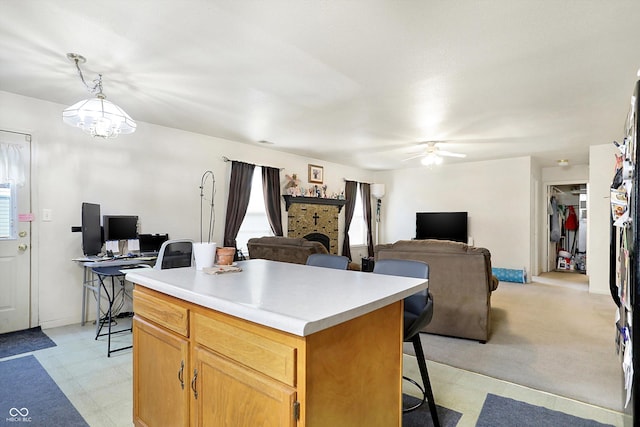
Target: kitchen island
x=276, y=344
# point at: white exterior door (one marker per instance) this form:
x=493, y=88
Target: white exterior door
x=15, y=231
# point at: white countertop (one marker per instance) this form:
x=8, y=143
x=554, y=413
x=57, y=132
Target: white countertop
x=293, y=298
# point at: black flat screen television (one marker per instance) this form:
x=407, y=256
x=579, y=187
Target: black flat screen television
x=120, y=227
x=442, y=226
x=91, y=229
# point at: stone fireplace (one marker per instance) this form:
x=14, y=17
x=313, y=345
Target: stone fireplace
x=314, y=219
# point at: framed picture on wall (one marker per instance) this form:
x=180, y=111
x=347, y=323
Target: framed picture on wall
x=316, y=174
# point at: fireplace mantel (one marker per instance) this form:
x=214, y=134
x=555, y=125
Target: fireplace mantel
x=288, y=200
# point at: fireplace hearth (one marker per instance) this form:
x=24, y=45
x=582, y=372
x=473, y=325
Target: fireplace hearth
x=319, y=237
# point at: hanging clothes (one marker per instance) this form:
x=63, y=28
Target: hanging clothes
x=572, y=220
x=555, y=234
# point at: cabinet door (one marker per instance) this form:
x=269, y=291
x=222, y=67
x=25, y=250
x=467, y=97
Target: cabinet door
x=229, y=394
x=160, y=376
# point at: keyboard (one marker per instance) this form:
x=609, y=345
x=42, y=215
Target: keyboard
x=148, y=254
x=95, y=258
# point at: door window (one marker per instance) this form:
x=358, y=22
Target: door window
x=8, y=212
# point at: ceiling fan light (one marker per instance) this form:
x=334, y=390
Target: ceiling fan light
x=431, y=159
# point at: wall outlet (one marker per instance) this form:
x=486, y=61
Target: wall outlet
x=47, y=215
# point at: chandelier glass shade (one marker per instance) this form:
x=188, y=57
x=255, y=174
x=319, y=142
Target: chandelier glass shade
x=97, y=116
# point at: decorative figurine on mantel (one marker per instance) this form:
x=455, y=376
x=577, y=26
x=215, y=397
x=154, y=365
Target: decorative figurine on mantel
x=292, y=187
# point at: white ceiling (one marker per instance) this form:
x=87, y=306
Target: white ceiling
x=357, y=82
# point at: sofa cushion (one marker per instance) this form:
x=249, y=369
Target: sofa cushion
x=442, y=246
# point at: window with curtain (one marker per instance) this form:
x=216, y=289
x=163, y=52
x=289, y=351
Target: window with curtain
x=255, y=223
x=358, y=229
x=11, y=164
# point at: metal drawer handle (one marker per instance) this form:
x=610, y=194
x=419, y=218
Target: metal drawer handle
x=181, y=374
x=193, y=383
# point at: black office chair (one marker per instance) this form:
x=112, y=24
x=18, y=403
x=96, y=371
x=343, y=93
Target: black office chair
x=418, y=311
x=115, y=274
x=329, y=261
x=174, y=254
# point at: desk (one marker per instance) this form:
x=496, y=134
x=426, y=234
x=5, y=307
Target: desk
x=284, y=340
x=91, y=283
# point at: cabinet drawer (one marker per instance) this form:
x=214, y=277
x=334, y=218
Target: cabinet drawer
x=161, y=311
x=272, y=358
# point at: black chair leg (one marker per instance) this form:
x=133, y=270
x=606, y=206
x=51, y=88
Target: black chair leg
x=422, y=364
x=108, y=318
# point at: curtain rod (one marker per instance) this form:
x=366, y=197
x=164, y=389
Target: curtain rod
x=226, y=159
x=359, y=182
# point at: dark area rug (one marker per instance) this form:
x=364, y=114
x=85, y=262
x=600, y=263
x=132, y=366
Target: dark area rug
x=29, y=396
x=502, y=411
x=19, y=342
x=421, y=417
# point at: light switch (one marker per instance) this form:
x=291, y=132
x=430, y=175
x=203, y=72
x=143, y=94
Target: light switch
x=47, y=215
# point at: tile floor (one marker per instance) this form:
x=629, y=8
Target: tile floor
x=101, y=388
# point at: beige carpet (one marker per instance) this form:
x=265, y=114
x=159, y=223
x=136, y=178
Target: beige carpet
x=558, y=339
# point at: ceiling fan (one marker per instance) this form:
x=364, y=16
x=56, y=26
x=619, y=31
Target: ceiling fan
x=433, y=155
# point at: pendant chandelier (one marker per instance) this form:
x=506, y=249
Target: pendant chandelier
x=97, y=116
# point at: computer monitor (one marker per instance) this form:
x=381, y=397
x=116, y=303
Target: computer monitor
x=152, y=242
x=120, y=227
x=91, y=229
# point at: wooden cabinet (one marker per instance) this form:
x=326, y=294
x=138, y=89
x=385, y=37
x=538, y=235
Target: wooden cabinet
x=160, y=383
x=196, y=366
x=234, y=395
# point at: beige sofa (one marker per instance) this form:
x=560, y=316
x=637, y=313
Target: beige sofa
x=460, y=281
x=285, y=249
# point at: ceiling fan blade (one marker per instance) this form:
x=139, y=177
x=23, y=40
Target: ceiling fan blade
x=414, y=157
x=450, y=154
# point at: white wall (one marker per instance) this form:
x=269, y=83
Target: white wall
x=537, y=203
x=496, y=194
x=565, y=175
x=154, y=173
x=601, y=171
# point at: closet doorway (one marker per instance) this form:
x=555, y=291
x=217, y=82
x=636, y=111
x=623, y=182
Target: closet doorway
x=567, y=228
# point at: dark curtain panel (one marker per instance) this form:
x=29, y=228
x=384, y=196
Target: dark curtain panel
x=271, y=191
x=365, y=194
x=350, y=190
x=239, y=192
